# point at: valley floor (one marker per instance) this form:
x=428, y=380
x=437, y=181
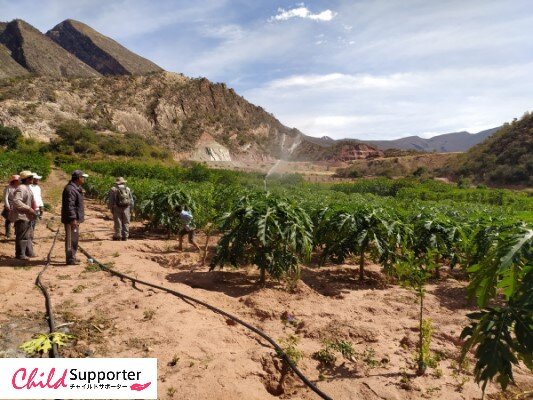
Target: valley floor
x=216, y=359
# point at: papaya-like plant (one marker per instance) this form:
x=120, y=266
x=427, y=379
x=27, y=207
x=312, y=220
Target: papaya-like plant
x=502, y=331
x=268, y=231
x=413, y=271
x=364, y=232
x=159, y=207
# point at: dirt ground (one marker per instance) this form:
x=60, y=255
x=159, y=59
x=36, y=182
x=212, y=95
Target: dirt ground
x=203, y=355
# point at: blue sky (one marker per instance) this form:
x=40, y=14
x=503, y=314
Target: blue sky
x=372, y=69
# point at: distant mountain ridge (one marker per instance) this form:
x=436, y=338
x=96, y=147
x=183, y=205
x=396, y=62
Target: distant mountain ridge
x=446, y=143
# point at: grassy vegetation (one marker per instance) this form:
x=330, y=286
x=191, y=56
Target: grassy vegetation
x=12, y=162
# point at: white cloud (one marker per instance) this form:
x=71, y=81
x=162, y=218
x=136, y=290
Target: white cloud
x=423, y=103
x=303, y=12
x=338, y=80
x=230, y=32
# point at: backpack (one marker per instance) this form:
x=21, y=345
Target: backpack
x=123, y=197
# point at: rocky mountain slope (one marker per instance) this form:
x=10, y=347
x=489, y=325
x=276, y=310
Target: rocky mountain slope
x=449, y=142
x=186, y=115
x=335, y=150
x=100, y=52
x=40, y=55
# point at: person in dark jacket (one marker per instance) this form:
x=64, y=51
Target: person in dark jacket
x=73, y=214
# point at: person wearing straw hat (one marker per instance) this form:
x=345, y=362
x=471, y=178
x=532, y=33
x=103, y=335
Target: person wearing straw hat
x=22, y=214
x=120, y=203
x=9, y=191
x=73, y=214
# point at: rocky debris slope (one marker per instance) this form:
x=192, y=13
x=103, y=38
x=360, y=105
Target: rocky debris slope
x=100, y=52
x=9, y=67
x=339, y=151
x=40, y=55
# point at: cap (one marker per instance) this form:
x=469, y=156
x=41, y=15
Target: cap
x=78, y=174
x=35, y=176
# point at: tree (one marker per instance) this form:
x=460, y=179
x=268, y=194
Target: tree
x=270, y=232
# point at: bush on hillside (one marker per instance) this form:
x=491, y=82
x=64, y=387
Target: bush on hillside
x=9, y=137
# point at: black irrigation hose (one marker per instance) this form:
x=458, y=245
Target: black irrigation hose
x=48, y=302
x=278, y=349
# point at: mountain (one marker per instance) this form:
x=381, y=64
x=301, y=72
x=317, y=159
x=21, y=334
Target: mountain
x=74, y=73
x=39, y=54
x=506, y=158
x=100, y=52
x=449, y=142
x=188, y=116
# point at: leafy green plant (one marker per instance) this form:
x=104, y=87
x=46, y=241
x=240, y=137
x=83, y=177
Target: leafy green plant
x=365, y=231
x=42, y=342
x=502, y=335
x=270, y=232
x=326, y=355
x=159, y=208
x=413, y=271
x=289, y=345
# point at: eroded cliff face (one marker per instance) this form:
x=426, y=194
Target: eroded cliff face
x=174, y=109
x=194, y=118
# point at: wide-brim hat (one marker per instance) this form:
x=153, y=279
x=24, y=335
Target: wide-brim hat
x=14, y=178
x=26, y=175
x=120, y=180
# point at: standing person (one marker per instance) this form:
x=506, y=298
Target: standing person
x=73, y=214
x=38, y=198
x=9, y=191
x=120, y=203
x=22, y=214
x=188, y=227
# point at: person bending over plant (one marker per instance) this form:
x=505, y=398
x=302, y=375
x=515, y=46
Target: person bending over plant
x=185, y=216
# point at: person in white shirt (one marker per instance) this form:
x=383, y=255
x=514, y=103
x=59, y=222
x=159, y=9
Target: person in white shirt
x=37, y=198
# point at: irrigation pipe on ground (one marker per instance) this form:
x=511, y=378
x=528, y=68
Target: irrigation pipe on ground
x=47, y=300
x=278, y=349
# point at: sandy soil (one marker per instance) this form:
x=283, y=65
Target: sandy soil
x=201, y=354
